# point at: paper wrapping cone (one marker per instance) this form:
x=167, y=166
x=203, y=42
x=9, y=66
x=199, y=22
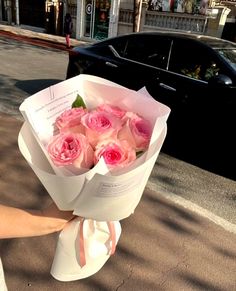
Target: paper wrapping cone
x=97, y=246
x=3, y=286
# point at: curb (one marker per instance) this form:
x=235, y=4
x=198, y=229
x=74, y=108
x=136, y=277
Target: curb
x=31, y=33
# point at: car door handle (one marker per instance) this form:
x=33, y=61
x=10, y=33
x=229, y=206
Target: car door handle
x=167, y=87
x=111, y=65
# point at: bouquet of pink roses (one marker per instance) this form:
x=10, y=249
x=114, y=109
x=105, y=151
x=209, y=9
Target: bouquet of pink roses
x=85, y=136
x=94, y=159
x=88, y=157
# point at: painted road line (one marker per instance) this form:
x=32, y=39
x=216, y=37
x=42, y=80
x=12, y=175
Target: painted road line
x=195, y=208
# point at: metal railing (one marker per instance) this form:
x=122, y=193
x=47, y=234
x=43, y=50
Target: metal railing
x=126, y=16
x=174, y=21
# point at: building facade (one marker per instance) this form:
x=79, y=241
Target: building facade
x=100, y=19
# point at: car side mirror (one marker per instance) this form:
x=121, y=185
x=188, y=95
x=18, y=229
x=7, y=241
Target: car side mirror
x=220, y=81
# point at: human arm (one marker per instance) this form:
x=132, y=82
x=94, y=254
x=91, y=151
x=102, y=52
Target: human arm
x=16, y=222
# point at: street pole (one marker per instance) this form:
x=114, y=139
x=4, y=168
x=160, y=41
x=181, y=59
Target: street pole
x=17, y=13
x=137, y=7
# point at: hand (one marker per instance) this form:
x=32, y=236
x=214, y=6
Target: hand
x=28, y=223
x=60, y=218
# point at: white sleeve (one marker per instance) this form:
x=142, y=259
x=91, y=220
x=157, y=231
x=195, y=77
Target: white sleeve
x=3, y=286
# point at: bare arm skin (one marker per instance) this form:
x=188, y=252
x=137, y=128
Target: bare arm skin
x=16, y=222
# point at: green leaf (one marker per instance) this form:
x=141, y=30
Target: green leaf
x=79, y=102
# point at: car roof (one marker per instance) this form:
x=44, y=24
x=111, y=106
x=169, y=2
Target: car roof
x=213, y=42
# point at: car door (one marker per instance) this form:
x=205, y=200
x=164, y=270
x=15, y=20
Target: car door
x=198, y=124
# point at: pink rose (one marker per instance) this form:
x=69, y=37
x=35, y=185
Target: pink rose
x=137, y=131
x=71, y=149
x=100, y=126
x=70, y=120
x=115, y=153
x=115, y=110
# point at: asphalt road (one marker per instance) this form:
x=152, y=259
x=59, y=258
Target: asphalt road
x=26, y=69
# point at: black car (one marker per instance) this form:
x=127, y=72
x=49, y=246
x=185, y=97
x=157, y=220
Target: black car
x=194, y=75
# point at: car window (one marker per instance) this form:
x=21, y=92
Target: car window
x=147, y=49
x=193, y=60
x=118, y=44
x=229, y=55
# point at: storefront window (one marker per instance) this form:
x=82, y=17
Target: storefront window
x=181, y=6
x=88, y=18
x=97, y=18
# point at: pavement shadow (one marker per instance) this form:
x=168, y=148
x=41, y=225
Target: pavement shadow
x=13, y=91
x=33, y=86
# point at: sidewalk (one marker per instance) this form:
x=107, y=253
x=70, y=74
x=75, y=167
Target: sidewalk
x=31, y=33
x=163, y=246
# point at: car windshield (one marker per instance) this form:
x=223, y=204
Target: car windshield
x=229, y=55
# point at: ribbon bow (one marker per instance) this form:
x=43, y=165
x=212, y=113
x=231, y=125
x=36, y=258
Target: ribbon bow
x=112, y=238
